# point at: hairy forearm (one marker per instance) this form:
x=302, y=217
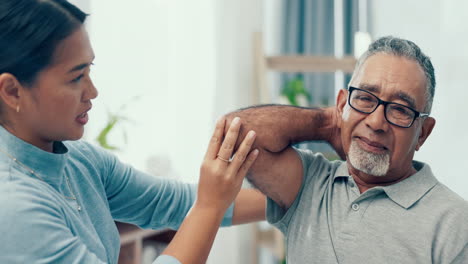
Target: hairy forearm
x=279, y=126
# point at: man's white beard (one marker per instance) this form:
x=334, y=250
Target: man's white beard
x=367, y=162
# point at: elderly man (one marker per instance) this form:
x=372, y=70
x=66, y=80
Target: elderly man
x=378, y=206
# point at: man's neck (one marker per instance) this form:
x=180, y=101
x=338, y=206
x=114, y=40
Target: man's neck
x=365, y=181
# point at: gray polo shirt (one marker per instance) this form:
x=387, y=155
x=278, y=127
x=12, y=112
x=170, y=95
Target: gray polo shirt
x=417, y=220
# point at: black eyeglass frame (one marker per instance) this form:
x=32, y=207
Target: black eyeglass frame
x=384, y=103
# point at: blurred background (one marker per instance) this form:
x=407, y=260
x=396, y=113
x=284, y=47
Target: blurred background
x=167, y=69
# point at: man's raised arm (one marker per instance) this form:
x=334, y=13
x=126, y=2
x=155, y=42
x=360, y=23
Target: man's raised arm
x=278, y=171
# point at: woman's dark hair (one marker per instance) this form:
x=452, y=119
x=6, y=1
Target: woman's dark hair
x=30, y=30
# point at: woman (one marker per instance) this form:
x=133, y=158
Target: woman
x=59, y=196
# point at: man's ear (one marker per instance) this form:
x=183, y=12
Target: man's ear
x=10, y=90
x=426, y=130
x=340, y=104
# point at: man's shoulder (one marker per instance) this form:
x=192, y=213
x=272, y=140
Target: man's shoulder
x=444, y=199
x=448, y=212
x=442, y=191
x=438, y=196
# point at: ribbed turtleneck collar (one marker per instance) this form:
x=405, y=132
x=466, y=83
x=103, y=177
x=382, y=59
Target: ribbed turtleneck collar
x=49, y=166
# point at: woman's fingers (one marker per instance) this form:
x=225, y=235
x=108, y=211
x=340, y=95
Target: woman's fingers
x=221, y=177
x=242, y=152
x=248, y=163
x=225, y=151
x=216, y=139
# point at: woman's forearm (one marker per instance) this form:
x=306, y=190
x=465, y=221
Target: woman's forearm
x=193, y=240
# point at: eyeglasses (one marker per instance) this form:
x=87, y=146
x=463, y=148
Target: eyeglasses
x=396, y=114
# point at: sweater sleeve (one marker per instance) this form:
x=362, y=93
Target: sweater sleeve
x=166, y=259
x=145, y=200
x=36, y=231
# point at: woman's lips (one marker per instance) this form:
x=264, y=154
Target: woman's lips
x=83, y=118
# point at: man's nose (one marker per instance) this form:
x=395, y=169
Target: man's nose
x=377, y=121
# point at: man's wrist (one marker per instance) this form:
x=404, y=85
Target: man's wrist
x=329, y=126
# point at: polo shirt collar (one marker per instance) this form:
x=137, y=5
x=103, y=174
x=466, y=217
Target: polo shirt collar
x=406, y=192
x=410, y=190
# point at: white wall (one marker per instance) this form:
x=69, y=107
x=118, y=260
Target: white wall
x=236, y=21
x=439, y=28
x=163, y=52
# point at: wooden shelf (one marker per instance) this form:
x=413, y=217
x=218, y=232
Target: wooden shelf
x=132, y=239
x=264, y=63
x=308, y=64
x=271, y=239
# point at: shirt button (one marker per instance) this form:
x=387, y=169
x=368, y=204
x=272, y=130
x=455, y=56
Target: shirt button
x=355, y=207
x=351, y=184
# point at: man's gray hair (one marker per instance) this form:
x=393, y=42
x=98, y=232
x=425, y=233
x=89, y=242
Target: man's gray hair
x=407, y=49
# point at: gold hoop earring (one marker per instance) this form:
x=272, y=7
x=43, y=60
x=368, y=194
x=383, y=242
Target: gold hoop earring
x=17, y=109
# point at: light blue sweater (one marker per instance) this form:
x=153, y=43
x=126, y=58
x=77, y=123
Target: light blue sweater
x=38, y=224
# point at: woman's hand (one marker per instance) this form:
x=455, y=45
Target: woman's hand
x=220, y=175
x=220, y=181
